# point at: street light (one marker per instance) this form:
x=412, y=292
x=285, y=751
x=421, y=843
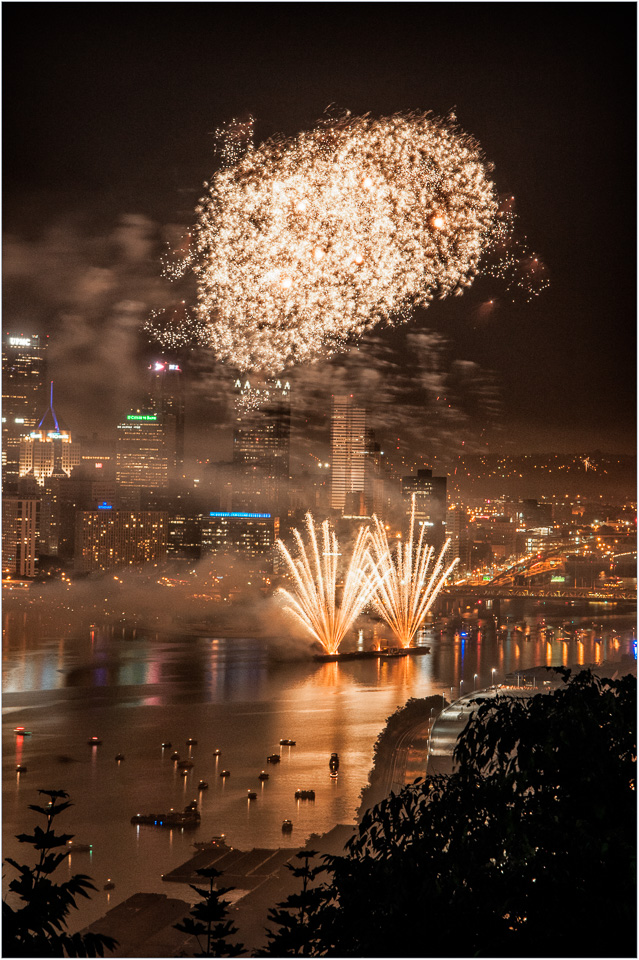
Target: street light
x=461, y=684
x=475, y=681
x=493, y=675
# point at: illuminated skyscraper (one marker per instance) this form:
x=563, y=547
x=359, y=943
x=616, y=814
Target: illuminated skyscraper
x=48, y=448
x=348, y=453
x=166, y=395
x=430, y=505
x=23, y=395
x=141, y=453
x=261, y=444
x=19, y=537
x=106, y=538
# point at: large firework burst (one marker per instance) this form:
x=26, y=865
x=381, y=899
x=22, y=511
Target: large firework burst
x=315, y=579
x=405, y=583
x=304, y=243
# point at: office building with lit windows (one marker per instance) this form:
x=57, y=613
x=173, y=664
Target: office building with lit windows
x=430, y=505
x=48, y=448
x=19, y=537
x=23, y=394
x=261, y=444
x=167, y=398
x=141, y=452
x=348, y=455
x=240, y=532
x=107, y=538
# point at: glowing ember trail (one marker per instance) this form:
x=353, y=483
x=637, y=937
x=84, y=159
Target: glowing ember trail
x=303, y=244
x=315, y=601
x=405, y=586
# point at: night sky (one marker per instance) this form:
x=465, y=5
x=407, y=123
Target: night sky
x=109, y=111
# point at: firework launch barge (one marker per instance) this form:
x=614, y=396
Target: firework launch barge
x=383, y=653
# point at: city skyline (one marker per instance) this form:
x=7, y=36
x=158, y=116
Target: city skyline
x=556, y=373
x=319, y=480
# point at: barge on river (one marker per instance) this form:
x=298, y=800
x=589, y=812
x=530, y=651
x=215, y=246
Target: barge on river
x=173, y=820
x=383, y=653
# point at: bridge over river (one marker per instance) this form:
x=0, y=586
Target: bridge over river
x=552, y=591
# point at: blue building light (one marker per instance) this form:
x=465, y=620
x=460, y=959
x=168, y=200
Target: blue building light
x=105, y=506
x=239, y=515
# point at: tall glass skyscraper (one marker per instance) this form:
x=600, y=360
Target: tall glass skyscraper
x=261, y=444
x=141, y=455
x=348, y=453
x=23, y=395
x=167, y=397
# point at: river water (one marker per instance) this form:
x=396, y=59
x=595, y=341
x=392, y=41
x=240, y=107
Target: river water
x=135, y=691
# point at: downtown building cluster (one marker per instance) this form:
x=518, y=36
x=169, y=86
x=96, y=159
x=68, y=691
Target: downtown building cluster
x=91, y=504
x=87, y=505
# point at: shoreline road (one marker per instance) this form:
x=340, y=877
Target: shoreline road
x=427, y=747
x=409, y=757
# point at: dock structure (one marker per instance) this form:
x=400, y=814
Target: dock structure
x=143, y=925
x=244, y=870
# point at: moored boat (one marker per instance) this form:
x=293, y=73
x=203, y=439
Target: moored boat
x=304, y=794
x=182, y=820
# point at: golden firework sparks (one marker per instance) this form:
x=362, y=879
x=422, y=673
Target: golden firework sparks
x=315, y=578
x=405, y=583
x=302, y=244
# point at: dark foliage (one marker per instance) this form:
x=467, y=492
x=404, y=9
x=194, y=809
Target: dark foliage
x=414, y=711
x=208, y=921
x=527, y=850
x=38, y=928
x=300, y=916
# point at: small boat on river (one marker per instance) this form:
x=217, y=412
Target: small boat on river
x=274, y=758
x=333, y=763
x=73, y=847
x=287, y=743
x=304, y=794
x=174, y=819
x=219, y=841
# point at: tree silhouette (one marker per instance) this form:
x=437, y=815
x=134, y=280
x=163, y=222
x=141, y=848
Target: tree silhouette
x=208, y=920
x=300, y=915
x=39, y=927
x=528, y=849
